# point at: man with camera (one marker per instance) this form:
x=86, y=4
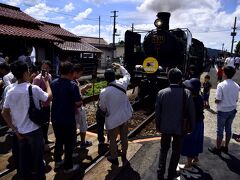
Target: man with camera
x=39, y=81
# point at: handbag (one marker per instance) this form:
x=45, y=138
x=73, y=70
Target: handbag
x=35, y=115
x=186, y=124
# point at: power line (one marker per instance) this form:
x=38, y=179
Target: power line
x=63, y=13
x=224, y=30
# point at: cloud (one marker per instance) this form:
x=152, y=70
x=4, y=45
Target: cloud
x=40, y=11
x=85, y=29
x=206, y=19
x=83, y=15
x=18, y=2
x=68, y=7
x=57, y=18
x=173, y=5
x=98, y=2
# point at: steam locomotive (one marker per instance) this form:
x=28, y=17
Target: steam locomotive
x=162, y=49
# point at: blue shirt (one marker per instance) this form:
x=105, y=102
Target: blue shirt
x=65, y=94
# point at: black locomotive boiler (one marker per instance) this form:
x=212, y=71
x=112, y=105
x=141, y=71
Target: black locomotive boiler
x=162, y=49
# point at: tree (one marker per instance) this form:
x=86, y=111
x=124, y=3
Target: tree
x=237, y=49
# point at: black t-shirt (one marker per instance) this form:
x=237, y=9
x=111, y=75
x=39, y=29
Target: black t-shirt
x=206, y=87
x=65, y=94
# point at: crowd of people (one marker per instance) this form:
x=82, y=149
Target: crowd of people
x=185, y=127
x=60, y=101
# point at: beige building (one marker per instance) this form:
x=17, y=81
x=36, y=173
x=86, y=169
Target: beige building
x=102, y=45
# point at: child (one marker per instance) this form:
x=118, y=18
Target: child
x=80, y=114
x=206, y=91
x=219, y=70
x=193, y=143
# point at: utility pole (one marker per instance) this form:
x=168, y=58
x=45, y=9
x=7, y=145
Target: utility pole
x=233, y=34
x=222, y=47
x=114, y=32
x=99, y=30
x=132, y=27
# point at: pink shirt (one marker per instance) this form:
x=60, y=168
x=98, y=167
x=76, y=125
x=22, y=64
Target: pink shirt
x=38, y=80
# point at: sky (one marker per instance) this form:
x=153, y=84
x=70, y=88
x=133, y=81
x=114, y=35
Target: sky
x=210, y=21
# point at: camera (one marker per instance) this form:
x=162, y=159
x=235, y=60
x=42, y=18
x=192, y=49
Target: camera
x=43, y=73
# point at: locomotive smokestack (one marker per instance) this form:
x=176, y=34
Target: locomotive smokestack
x=162, y=20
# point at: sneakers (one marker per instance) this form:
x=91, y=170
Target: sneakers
x=74, y=168
x=224, y=149
x=85, y=144
x=215, y=150
x=113, y=161
x=59, y=164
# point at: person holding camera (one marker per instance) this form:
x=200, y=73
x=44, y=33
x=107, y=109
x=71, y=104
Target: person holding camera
x=114, y=102
x=16, y=114
x=39, y=81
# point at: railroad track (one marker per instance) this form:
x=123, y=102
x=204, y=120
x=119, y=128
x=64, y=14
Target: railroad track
x=132, y=133
x=93, y=127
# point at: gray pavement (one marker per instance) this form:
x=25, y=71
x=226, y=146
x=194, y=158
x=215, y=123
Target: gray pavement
x=212, y=167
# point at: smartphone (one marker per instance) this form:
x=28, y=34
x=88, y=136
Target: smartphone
x=43, y=73
x=235, y=136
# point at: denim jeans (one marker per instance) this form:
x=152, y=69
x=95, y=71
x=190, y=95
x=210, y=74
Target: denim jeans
x=224, y=120
x=31, y=165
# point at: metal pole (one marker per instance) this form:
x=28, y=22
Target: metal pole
x=114, y=31
x=233, y=34
x=99, y=30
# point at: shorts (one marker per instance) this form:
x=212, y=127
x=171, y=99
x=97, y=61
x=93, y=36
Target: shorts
x=81, y=119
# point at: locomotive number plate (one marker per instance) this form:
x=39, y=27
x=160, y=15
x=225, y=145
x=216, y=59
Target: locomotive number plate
x=158, y=39
x=150, y=65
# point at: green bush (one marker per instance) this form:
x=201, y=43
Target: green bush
x=98, y=86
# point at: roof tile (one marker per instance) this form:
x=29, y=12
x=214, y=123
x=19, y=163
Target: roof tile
x=77, y=46
x=12, y=12
x=94, y=40
x=8, y=30
x=55, y=29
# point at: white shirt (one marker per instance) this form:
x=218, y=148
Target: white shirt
x=237, y=60
x=229, y=61
x=17, y=100
x=115, y=102
x=227, y=92
x=8, y=79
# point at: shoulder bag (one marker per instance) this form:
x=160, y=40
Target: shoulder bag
x=35, y=115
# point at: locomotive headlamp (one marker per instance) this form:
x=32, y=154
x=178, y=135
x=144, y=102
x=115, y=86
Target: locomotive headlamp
x=157, y=23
